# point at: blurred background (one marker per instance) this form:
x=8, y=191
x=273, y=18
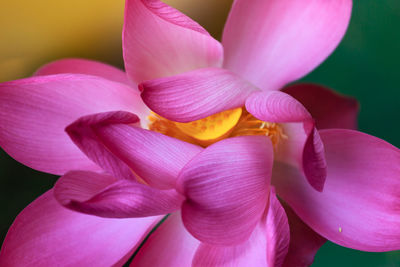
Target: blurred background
x=365, y=65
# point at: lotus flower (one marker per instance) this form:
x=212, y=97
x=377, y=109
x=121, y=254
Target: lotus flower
x=229, y=223
x=112, y=142
x=202, y=104
x=261, y=55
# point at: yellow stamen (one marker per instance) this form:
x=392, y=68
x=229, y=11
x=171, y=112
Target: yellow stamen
x=212, y=128
x=167, y=127
x=249, y=125
x=230, y=123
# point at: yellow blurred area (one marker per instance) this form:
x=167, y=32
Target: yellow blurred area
x=35, y=32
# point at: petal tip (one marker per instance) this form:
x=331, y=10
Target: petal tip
x=314, y=162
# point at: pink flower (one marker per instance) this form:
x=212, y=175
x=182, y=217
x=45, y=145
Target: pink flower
x=233, y=219
x=355, y=207
x=110, y=141
x=341, y=166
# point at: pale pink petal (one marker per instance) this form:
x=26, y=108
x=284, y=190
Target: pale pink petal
x=227, y=188
x=267, y=245
x=35, y=111
x=328, y=108
x=272, y=43
x=304, y=242
x=195, y=95
x=159, y=41
x=277, y=232
x=84, y=66
x=109, y=140
x=302, y=147
x=47, y=234
x=170, y=245
x=359, y=205
x=102, y=195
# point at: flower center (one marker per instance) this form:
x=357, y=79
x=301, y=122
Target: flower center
x=229, y=123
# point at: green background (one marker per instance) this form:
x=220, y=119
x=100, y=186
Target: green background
x=365, y=65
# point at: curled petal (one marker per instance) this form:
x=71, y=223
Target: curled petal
x=226, y=187
x=104, y=196
x=159, y=41
x=303, y=147
x=195, y=95
x=119, y=147
x=283, y=40
x=83, y=133
x=359, y=205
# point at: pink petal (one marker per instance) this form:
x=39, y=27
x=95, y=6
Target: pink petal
x=250, y=253
x=328, y=108
x=116, y=146
x=226, y=187
x=272, y=43
x=35, y=111
x=303, y=147
x=160, y=41
x=267, y=245
x=170, y=245
x=195, y=95
x=84, y=66
x=104, y=196
x=304, y=242
x=47, y=234
x=83, y=133
x=359, y=205
x=277, y=232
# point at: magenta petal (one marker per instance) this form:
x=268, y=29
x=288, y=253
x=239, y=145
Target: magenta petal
x=159, y=41
x=47, y=234
x=83, y=133
x=84, y=66
x=272, y=43
x=314, y=162
x=267, y=245
x=328, y=108
x=250, y=253
x=359, y=205
x=102, y=195
x=226, y=187
x=170, y=245
x=304, y=242
x=195, y=95
x=35, y=111
x=120, y=148
x=302, y=147
x=278, y=235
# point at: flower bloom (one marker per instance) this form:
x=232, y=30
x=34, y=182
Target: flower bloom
x=229, y=221
x=324, y=176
